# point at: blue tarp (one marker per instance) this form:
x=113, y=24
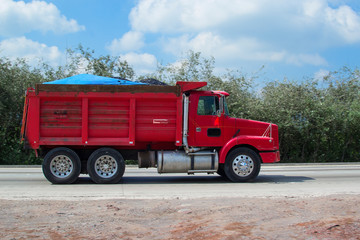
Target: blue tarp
x=92, y=79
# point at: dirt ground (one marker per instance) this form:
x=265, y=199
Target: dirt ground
x=330, y=217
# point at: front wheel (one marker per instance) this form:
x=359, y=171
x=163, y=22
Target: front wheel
x=221, y=171
x=242, y=164
x=106, y=165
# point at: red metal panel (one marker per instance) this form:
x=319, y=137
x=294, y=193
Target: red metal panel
x=36, y=121
x=85, y=121
x=23, y=122
x=187, y=86
x=105, y=95
x=108, y=141
x=61, y=141
x=135, y=89
x=179, y=122
x=199, y=124
x=270, y=157
x=32, y=121
x=156, y=120
x=60, y=117
x=132, y=122
x=108, y=118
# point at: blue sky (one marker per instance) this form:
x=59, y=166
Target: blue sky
x=293, y=39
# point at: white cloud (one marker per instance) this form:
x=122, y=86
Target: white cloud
x=247, y=49
x=142, y=63
x=254, y=18
x=303, y=59
x=337, y=25
x=345, y=22
x=18, y=17
x=186, y=15
x=224, y=49
x=130, y=41
x=33, y=52
x=319, y=75
x=312, y=8
x=292, y=32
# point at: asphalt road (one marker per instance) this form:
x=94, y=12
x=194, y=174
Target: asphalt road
x=275, y=180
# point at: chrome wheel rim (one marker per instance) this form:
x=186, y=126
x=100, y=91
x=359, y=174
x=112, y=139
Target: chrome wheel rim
x=243, y=165
x=61, y=166
x=106, y=166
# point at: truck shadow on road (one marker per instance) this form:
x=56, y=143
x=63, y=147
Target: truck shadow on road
x=269, y=179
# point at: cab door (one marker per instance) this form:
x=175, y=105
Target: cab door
x=205, y=126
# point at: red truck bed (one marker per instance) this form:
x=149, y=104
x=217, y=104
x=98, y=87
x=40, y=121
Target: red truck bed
x=96, y=115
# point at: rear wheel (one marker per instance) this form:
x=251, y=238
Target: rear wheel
x=242, y=164
x=106, y=165
x=61, y=165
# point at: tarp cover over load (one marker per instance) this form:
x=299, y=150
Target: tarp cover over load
x=85, y=79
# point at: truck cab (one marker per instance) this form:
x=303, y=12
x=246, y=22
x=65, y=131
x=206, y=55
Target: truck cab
x=209, y=119
x=244, y=143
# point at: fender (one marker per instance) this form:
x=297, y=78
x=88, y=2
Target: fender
x=257, y=142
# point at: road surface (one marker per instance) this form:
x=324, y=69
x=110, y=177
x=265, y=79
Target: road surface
x=275, y=180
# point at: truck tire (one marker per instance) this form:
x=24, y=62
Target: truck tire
x=106, y=165
x=242, y=164
x=61, y=165
x=221, y=171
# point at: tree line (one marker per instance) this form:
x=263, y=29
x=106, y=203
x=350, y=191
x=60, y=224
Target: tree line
x=319, y=120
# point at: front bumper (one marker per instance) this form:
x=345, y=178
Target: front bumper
x=270, y=157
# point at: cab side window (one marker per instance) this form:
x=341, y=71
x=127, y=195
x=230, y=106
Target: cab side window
x=208, y=105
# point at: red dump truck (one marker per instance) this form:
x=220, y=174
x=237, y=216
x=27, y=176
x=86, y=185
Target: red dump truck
x=178, y=129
